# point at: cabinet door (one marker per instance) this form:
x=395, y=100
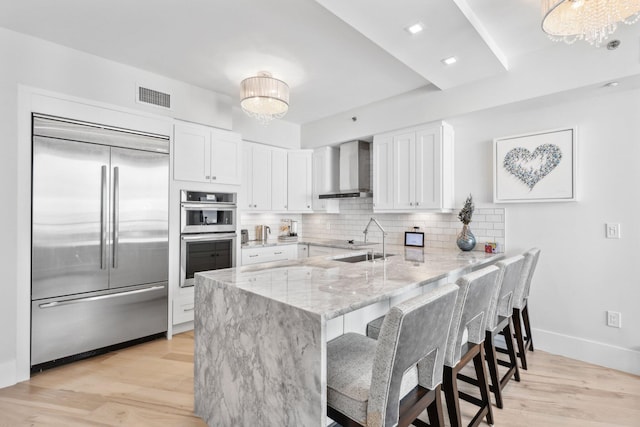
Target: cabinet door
x=261, y=177
x=225, y=157
x=299, y=179
x=278, y=180
x=246, y=195
x=383, y=178
x=428, y=169
x=191, y=153
x=303, y=251
x=319, y=178
x=404, y=165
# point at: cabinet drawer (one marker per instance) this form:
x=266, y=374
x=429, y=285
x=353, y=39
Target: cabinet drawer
x=271, y=253
x=183, y=307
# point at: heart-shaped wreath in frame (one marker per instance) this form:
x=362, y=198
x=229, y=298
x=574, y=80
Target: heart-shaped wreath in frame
x=538, y=167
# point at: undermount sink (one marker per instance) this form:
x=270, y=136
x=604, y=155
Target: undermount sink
x=360, y=258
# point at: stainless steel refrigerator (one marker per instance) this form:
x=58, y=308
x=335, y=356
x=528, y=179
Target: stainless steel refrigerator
x=99, y=238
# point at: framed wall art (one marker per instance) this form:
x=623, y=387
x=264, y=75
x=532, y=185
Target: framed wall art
x=536, y=167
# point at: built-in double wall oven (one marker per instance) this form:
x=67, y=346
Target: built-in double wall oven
x=207, y=233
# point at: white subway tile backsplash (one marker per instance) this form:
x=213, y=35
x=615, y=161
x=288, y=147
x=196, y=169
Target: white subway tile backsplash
x=440, y=229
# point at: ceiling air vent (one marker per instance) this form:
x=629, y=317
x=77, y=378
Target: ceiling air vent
x=153, y=97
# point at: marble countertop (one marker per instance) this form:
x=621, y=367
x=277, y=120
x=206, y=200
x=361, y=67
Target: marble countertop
x=330, y=288
x=340, y=244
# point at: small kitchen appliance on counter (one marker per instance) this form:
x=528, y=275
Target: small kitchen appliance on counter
x=244, y=236
x=288, y=231
x=262, y=232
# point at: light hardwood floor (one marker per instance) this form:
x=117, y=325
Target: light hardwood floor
x=152, y=385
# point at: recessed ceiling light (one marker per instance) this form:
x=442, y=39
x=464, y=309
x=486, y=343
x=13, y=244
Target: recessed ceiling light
x=450, y=60
x=415, y=28
x=612, y=84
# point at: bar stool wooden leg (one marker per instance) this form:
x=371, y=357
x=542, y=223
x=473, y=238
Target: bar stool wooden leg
x=527, y=327
x=517, y=325
x=492, y=362
x=507, y=332
x=434, y=410
x=450, y=387
x=481, y=373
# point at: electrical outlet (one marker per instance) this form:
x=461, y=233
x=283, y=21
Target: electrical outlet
x=328, y=225
x=612, y=230
x=614, y=319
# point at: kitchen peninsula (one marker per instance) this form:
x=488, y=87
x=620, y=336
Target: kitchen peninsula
x=261, y=331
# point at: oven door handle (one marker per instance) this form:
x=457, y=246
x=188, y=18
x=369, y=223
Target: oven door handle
x=208, y=206
x=214, y=236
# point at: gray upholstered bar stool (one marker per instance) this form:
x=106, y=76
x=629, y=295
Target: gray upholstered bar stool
x=500, y=320
x=466, y=338
x=391, y=381
x=521, y=306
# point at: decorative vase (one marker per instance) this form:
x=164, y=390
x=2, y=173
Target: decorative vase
x=466, y=240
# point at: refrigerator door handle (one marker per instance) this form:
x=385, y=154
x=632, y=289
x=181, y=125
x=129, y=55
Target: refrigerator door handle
x=116, y=213
x=103, y=219
x=98, y=298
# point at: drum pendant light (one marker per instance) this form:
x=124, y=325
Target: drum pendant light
x=264, y=98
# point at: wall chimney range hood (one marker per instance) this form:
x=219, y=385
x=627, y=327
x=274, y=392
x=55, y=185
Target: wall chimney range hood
x=355, y=171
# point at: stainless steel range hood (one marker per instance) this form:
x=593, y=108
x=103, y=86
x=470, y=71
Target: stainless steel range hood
x=355, y=171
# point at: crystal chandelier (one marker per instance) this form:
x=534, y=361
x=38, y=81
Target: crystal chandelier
x=590, y=20
x=264, y=98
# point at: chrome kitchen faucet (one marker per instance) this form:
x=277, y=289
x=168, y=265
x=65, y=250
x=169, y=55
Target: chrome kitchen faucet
x=384, y=233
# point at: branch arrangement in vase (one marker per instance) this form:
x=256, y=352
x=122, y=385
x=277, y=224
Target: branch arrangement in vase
x=467, y=211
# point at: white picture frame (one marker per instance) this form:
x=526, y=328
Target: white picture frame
x=535, y=167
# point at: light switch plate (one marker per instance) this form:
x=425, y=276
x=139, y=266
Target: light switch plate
x=612, y=230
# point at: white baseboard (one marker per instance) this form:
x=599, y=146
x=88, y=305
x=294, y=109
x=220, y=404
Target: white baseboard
x=182, y=327
x=7, y=373
x=622, y=359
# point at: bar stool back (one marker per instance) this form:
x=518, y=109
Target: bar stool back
x=500, y=314
x=392, y=380
x=521, y=306
x=466, y=335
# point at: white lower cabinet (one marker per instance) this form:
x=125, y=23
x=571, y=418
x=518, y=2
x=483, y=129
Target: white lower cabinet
x=268, y=254
x=303, y=251
x=183, y=306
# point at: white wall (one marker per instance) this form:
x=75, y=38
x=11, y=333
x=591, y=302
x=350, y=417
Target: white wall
x=278, y=133
x=39, y=64
x=580, y=274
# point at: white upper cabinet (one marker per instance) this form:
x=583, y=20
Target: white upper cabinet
x=383, y=172
x=279, y=181
x=265, y=178
x=204, y=154
x=326, y=177
x=299, y=190
x=257, y=177
x=226, y=154
x=413, y=169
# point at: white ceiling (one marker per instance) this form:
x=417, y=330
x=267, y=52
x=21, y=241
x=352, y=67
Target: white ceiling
x=336, y=55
